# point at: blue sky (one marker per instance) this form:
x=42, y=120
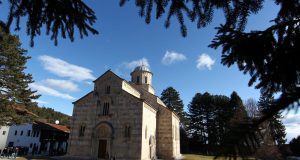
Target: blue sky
x=65, y=72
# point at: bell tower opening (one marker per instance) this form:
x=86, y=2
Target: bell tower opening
x=142, y=76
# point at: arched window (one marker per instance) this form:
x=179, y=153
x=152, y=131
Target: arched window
x=105, y=108
x=146, y=79
x=81, y=130
x=127, y=131
x=98, y=109
x=107, y=89
x=138, y=80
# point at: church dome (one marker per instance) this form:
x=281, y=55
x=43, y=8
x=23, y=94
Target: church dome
x=142, y=68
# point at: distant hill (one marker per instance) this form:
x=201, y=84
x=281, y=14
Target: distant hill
x=49, y=115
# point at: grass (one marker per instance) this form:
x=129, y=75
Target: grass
x=197, y=157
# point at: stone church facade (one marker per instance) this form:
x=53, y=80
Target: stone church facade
x=123, y=120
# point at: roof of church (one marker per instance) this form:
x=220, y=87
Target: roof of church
x=142, y=68
x=138, y=68
x=109, y=70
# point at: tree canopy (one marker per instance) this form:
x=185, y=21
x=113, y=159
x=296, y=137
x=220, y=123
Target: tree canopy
x=277, y=129
x=269, y=56
x=60, y=18
x=201, y=12
x=14, y=81
x=173, y=101
x=210, y=117
x=295, y=146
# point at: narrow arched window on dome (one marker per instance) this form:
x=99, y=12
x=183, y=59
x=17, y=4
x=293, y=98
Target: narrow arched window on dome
x=146, y=79
x=138, y=80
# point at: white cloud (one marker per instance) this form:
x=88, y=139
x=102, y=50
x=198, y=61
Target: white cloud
x=64, y=69
x=126, y=67
x=41, y=89
x=292, y=125
x=64, y=85
x=205, y=61
x=39, y=101
x=131, y=65
x=172, y=57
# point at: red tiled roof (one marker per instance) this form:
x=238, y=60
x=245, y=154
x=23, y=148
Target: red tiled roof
x=60, y=127
x=50, y=126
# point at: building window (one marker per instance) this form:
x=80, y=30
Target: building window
x=10, y=144
x=146, y=79
x=138, y=79
x=105, y=109
x=37, y=133
x=127, y=131
x=98, y=107
x=28, y=133
x=16, y=132
x=3, y=133
x=81, y=131
x=21, y=133
x=107, y=89
x=30, y=145
x=33, y=134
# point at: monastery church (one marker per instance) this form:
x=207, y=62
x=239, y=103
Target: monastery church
x=124, y=121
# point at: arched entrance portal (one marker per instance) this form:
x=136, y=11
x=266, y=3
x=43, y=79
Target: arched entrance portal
x=103, y=140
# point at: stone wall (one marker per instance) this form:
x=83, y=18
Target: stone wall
x=82, y=116
x=176, y=136
x=125, y=110
x=164, y=134
x=165, y=147
x=131, y=107
x=149, y=130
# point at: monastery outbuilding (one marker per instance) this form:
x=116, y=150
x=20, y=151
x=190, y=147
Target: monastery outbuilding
x=124, y=121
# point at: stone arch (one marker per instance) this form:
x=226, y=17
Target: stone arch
x=107, y=128
x=103, y=140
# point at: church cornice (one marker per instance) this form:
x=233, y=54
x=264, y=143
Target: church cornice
x=108, y=71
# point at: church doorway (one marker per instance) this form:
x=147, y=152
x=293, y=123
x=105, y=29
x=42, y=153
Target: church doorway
x=103, y=141
x=102, y=153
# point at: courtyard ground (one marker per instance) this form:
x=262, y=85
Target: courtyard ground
x=185, y=157
x=201, y=157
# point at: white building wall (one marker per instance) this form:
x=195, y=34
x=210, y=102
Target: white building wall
x=3, y=136
x=18, y=139
x=176, y=136
x=149, y=129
